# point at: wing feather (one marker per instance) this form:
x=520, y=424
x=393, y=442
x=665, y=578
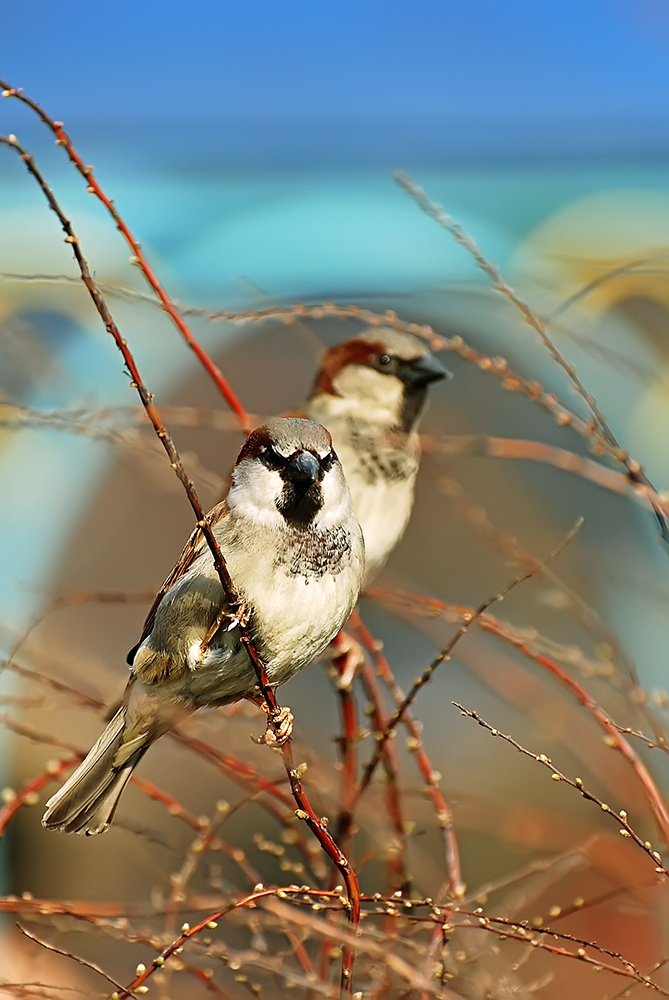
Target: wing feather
x=192, y=550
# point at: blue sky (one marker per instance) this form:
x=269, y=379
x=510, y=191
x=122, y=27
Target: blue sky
x=533, y=72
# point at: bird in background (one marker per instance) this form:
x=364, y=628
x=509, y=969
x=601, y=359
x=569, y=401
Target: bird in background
x=370, y=393
x=295, y=554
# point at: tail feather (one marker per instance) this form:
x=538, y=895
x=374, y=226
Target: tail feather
x=87, y=801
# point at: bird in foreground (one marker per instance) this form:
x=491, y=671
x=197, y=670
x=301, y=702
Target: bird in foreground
x=370, y=393
x=295, y=553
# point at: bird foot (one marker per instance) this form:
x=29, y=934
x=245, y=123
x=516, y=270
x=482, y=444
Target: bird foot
x=347, y=656
x=279, y=728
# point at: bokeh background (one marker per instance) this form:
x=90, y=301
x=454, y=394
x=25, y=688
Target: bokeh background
x=250, y=148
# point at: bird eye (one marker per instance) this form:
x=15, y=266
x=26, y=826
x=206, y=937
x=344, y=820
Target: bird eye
x=271, y=458
x=383, y=362
x=327, y=462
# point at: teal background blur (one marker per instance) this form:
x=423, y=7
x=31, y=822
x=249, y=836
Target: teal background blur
x=250, y=148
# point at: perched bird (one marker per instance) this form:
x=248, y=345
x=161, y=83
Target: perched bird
x=370, y=392
x=295, y=554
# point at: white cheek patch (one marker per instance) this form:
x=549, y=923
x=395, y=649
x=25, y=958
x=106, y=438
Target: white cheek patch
x=365, y=394
x=336, y=497
x=255, y=491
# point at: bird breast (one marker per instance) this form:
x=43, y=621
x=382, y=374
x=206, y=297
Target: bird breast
x=300, y=591
x=381, y=477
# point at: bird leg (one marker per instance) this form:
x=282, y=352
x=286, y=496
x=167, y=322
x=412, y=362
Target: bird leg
x=347, y=656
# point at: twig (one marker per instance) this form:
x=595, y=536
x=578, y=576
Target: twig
x=426, y=676
x=615, y=734
x=139, y=259
x=441, y=806
x=399, y=875
x=229, y=591
x=639, y=265
x=28, y=794
x=145, y=396
x=495, y=366
x=633, y=469
x=508, y=545
x=626, y=829
x=75, y=958
x=484, y=445
x=318, y=827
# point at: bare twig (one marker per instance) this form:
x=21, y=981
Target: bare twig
x=74, y=958
x=426, y=676
x=626, y=830
x=633, y=469
x=139, y=258
x=203, y=523
x=615, y=734
x=430, y=776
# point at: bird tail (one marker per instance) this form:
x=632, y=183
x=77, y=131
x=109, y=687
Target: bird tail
x=87, y=801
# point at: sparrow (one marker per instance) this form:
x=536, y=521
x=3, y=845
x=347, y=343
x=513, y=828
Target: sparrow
x=295, y=554
x=370, y=393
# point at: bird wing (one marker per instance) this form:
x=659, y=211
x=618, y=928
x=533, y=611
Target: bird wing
x=192, y=550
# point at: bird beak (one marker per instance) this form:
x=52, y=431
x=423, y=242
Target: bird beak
x=303, y=468
x=424, y=370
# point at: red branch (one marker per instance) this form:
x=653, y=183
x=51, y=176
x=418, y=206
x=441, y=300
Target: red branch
x=63, y=139
x=441, y=806
x=317, y=826
x=618, y=740
x=32, y=787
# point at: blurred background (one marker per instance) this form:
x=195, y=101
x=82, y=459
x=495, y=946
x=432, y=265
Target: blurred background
x=251, y=149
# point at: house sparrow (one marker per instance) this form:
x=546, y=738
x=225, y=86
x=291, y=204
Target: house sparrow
x=370, y=393
x=295, y=554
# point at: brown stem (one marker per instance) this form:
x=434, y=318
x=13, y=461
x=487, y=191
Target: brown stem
x=230, y=593
x=86, y=171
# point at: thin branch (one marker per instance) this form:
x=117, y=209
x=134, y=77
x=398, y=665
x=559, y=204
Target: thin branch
x=614, y=733
x=636, y=266
x=75, y=958
x=483, y=445
x=445, y=654
x=431, y=777
x=633, y=469
x=138, y=258
x=626, y=830
x=231, y=596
